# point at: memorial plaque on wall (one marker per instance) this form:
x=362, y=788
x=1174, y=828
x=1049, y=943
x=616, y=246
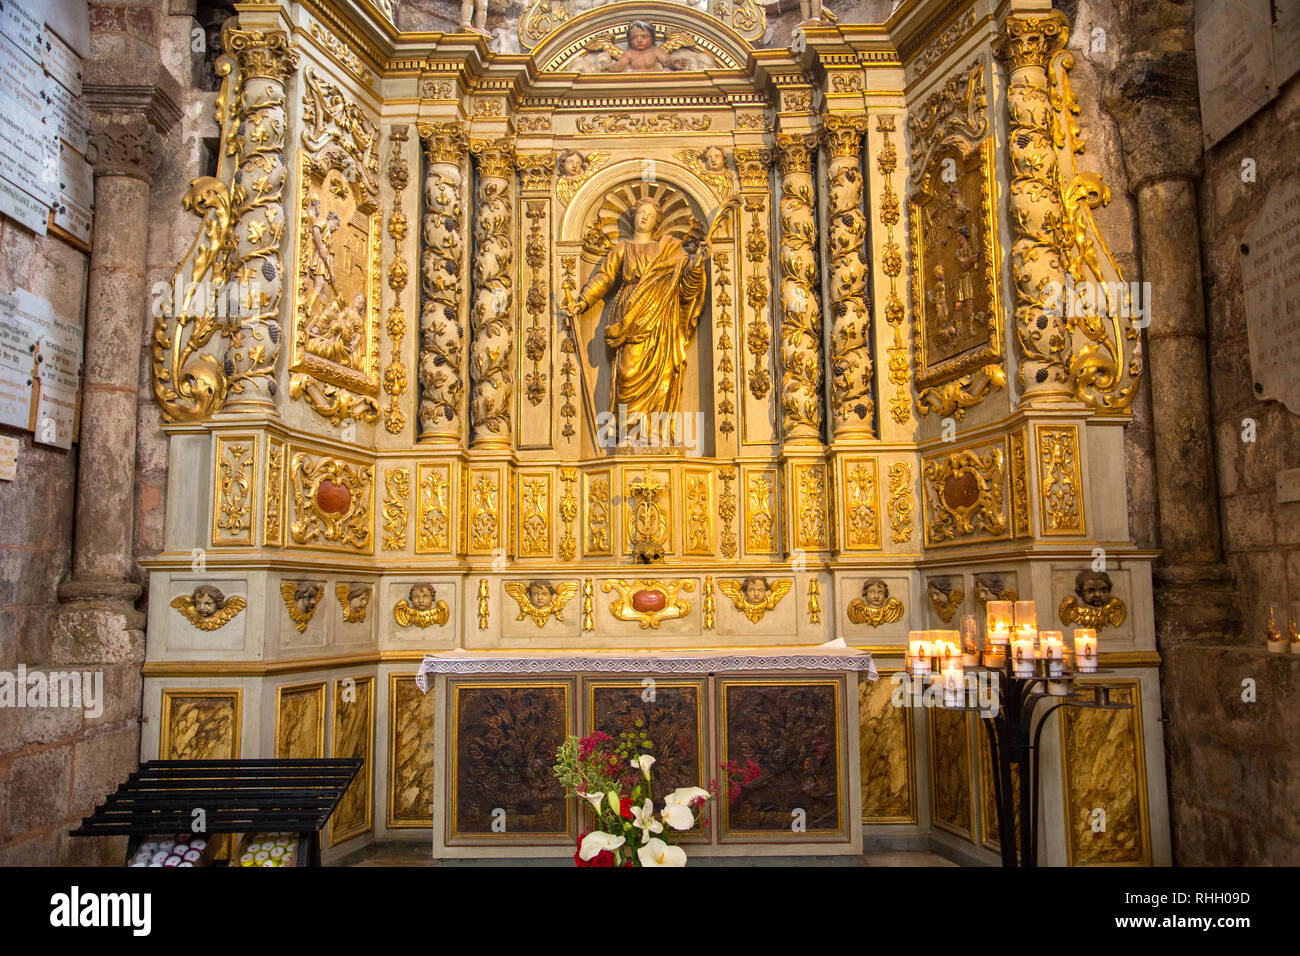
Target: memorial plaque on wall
x=66, y=116
x=1234, y=63
x=21, y=79
x=61, y=63
x=18, y=339
x=1286, y=40
x=1270, y=280
x=24, y=29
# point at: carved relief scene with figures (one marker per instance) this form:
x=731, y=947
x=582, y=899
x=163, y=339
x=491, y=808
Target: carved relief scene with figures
x=701, y=342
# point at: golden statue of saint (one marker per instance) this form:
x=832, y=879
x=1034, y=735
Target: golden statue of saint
x=659, y=287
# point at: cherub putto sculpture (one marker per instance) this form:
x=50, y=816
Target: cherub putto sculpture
x=354, y=598
x=207, y=608
x=1092, y=604
x=875, y=607
x=541, y=600
x=300, y=600
x=421, y=607
x=755, y=595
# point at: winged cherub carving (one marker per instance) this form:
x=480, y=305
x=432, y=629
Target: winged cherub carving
x=207, y=608
x=300, y=599
x=541, y=599
x=754, y=596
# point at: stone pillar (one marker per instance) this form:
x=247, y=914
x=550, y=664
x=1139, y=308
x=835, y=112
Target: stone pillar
x=801, y=310
x=442, y=247
x=492, y=344
x=266, y=61
x=1027, y=45
x=853, y=407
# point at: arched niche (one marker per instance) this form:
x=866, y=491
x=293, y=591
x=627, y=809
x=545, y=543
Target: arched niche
x=574, y=45
x=626, y=178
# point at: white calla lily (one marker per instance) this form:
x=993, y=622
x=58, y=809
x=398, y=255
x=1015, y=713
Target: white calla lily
x=684, y=796
x=659, y=853
x=678, y=816
x=595, y=799
x=644, y=762
x=643, y=818
x=596, y=841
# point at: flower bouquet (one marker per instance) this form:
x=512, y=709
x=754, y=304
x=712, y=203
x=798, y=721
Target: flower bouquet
x=614, y=777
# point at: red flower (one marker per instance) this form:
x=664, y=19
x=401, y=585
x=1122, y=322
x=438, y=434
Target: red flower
x=589, y=744
x=625, y=807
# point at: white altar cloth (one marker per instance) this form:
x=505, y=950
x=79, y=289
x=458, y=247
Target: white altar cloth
x=833, y=656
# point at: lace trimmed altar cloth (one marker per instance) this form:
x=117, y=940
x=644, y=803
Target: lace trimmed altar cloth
x=832, y=656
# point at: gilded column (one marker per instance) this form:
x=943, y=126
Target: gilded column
x=491, y=324
x=266, y=61
x=801, y=311
x=852, y=405
x=1027, y=45
x=442, y=238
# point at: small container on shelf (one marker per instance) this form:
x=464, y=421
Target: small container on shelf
x=1277, y=641
x=1085, y=650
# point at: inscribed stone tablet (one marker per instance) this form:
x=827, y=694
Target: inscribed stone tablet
x=1234, y=63
x=1286, y=41
x=1270, y=279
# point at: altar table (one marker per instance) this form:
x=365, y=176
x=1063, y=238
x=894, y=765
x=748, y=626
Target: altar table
x=501, y=715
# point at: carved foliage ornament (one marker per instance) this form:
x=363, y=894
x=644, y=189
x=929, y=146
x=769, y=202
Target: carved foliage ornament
x=491, y=315
x=331, y=501
x=801, y=313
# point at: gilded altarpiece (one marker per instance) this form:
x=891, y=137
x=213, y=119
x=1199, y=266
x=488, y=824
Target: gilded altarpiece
x=657, y=334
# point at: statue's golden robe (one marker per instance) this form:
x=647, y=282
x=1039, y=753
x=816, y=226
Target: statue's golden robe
x=657, y=303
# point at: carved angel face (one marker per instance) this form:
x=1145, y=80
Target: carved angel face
x=539, y=592
x=755, y=589
x=639, y=38
x=420, y=597
x=571, y=164
x=714, y=159
x=305, y=597
x=875, y=592
x=358, y=596
x=1093, y=588
x=208, y=600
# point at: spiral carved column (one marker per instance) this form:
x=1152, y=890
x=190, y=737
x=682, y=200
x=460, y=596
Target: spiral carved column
x=801, y=311
x=852, y=405
x=442, y=244
x=1027, y=45
x=492, y=344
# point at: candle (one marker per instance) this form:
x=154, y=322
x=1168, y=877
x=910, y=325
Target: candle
x=1026, y=615
x=1085, y=649
x=918, y=651
x=1022, y=654
x=998, y=619
x=954, y=683
x=1051, y=648
x=970, y=652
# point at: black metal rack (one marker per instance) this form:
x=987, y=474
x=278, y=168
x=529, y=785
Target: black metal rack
x=236, y=796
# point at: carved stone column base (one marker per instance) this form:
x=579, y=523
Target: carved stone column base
x=104, y=631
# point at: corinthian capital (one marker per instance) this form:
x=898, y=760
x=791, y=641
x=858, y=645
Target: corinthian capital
x=844, y=132
x=752, y=163
x=495, y=158
x=794, y=152
x=444, y=142
x=123, y=145
x=260, y=53
x=1032, y=40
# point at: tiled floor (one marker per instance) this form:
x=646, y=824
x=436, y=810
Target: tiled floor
x=406, y=854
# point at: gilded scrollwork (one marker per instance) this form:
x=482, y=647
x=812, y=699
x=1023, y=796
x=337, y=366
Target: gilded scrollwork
x=242, y=222
x=537, y=338
x=699, y=513
x=329, y=118
x=810, y=500
x=397, y=492
x=1019, y=483
x=757, y=334
x=483, y=513
x=442, y=249
x=891, y=258
x=852, y=404
x=568, y=512
x=433, y=509
x=760, y=519
x=900, y=502
x=725, y=326
x=395, y=372
x=964, y=496
x=534, y=516
x=331, y=501
x=666, y=605
x=861, y=514
x=274, y=491
x=596, y=518
x=633, y=124
x=958, y=108
x=1060, y=481
x=727, y=511
x=801, y=313
x=491, y=315
x=233, y=516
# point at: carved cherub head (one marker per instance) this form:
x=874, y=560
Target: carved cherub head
x=640, y=35
x=875, y=592
x=305, y=596
x=358, y=596
x=208, y=600
x=713, y=159
x=421, y=596
x=1093, y=588
x=570, y=164
x=540, y=593
x=755, y=589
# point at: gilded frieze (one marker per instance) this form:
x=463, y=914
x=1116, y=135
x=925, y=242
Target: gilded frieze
x=491, y=316
x=631, y=124
x=754, y=596
x=200, y=724
x=271, y=532
x=353, y=735
x=300, y=721
x=648, y=602
x=901, y=503
x=442, y=333
x=1103, y=765
x=534, y=515
x=861, y=504
x=541, y=600
x=852, y=403
x=421, y=607
x=301, y=598
x=886, y=754
x=597, y=536
x=335, y=354
x=964, y=496
x=235, y=490
x=397, y=495
x=891, y=259
x=433, y=509
x=1059, y=480
x=331, y=502
x=955, y=307
x=208, y=608
x=411, y=714
x=801, y=312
